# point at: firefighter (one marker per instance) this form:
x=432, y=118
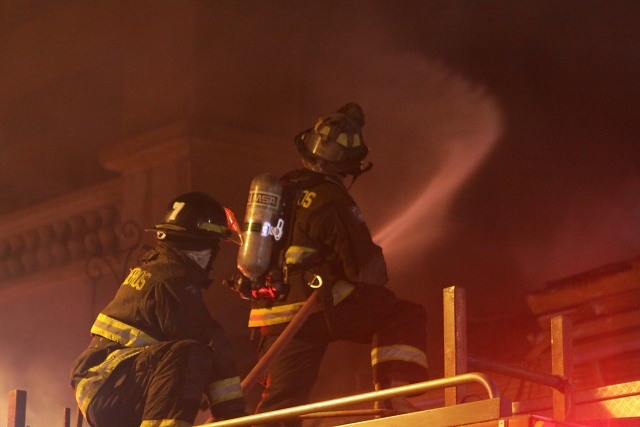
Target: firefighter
x=328, y=242
x=156, y=355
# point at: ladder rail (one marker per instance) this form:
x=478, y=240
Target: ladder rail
x=417, y=388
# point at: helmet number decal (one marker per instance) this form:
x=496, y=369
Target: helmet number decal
x=307, y=198
x=177, y=207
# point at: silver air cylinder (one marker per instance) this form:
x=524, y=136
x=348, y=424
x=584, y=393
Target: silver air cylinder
x=261, y=225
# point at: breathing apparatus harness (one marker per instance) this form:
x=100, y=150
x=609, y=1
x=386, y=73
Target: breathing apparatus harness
x=334, y=147
x=269, y=281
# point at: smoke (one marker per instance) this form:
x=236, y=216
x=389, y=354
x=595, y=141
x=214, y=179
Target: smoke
x=592, y=232
x=8, y=381
x=45, y=382
x=428, y=128
x=423, y=220
x=45, y=404
x=44, y=330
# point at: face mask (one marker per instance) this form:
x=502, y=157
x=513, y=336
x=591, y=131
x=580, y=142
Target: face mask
x=200, y=257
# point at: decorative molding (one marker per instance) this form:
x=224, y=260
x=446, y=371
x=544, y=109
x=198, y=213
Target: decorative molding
x=88, y=234
x=116, y=264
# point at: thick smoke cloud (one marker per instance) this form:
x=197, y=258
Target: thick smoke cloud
x=46, y=400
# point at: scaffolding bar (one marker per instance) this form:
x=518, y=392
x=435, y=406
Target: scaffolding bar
x=562, y=365
x=455, y=341
x=79, y=418
x=17, y=408
x=351, y=413
x=411, y=389
x=553, y=381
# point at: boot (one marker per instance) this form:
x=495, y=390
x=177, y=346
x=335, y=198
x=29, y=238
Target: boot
x=394, y=405
x=213, y=419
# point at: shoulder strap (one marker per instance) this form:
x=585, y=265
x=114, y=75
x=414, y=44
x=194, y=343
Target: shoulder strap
x=293, y=183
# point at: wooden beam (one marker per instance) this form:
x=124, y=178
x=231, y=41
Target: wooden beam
x=17, y=408
x=455, y=341
x=562, y=365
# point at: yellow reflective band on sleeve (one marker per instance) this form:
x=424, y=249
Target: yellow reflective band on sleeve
x=274, y=315
x=403, y=353
x=296, y=254
x=224, y=390
x=96, y=376
x=165, y=423
x=120, y=332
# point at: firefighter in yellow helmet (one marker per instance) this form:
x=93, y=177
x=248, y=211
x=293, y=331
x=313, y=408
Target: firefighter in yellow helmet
x=327, y=237
x=155, y=350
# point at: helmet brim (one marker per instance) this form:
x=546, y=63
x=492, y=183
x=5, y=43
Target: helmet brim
x=348, y=165
x=210, y=232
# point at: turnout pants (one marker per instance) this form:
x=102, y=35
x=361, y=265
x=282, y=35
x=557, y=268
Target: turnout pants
x=162, y=386
x=395, y=328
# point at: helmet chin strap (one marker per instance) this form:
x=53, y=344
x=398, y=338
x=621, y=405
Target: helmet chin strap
x=356, y=172
x=319, y=166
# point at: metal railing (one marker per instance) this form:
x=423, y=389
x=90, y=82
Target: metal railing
x=296, y=411
x=454, y=383
x=457, y=358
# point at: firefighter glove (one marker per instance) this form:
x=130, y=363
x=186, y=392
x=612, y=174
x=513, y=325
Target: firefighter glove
x=240, y=284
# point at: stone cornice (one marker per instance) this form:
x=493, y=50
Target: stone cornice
x=90, y=233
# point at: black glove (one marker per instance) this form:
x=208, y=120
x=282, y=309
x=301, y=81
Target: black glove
x=239, y=284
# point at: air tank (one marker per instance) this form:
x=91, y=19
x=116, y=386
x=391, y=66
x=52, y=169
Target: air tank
x=261, y=225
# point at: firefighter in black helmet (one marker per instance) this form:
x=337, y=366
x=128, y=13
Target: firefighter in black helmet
x=156, y=353
x=327, y=237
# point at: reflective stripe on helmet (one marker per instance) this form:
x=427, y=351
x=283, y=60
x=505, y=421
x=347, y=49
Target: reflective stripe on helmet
x=400, y=352
x=224, y=390
x=167, y=227
x=117, y=331
x=320, y=146
x=216, y=228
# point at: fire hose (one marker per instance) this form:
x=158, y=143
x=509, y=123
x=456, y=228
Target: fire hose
x=265, y=361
